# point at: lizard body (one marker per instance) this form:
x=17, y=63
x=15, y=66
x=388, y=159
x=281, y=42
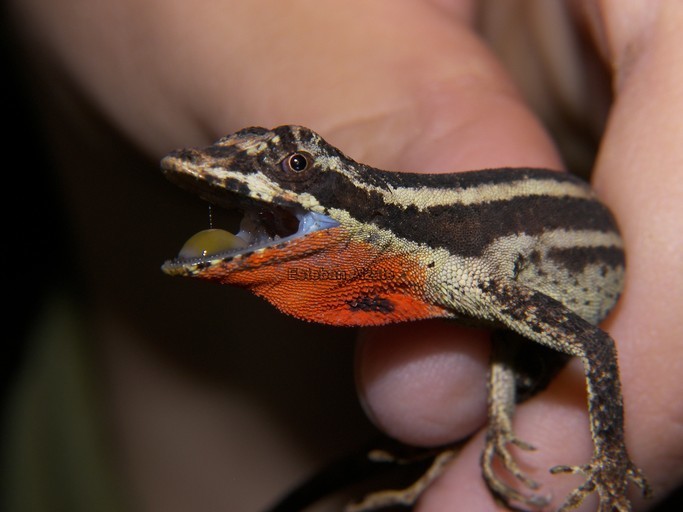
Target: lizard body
x=331, y=240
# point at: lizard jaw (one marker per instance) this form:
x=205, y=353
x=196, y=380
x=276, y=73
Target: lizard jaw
x=262, y=226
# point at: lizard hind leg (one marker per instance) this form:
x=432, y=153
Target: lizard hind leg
x=548, y=322
x=503, y=383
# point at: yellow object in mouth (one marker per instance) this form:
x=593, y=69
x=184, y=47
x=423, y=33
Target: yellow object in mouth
x=209, y=242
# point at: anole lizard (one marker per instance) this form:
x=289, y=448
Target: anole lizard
x=330, y=240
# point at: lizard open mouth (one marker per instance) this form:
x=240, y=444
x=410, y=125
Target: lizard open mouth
x=268, y=220
x=262, y=225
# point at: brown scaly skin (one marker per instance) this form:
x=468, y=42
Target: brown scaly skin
x=527, y=250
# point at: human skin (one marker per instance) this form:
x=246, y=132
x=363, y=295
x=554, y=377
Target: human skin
x=409, y=86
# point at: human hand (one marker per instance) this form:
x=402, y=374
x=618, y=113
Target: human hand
x=411, y=87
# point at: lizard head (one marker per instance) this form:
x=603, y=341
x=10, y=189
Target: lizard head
x=288, y=182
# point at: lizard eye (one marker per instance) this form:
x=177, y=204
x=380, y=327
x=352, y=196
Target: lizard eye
x=296, y=162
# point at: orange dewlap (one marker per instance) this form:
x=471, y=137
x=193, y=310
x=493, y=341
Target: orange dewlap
x=330, y=278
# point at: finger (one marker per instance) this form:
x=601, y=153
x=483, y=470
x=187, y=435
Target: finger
x=365, y=71
x=423, y=383
x=638, y=174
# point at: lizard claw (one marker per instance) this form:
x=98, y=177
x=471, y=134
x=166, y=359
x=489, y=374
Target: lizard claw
x=497, y=443
x=609, y=480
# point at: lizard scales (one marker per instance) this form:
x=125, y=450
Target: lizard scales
x=331, y=240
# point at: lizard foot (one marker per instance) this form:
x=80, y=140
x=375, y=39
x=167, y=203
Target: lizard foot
x=497, y=442
x=609, y=480
x=409, y=495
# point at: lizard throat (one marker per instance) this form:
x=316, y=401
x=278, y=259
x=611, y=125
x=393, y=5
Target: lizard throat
x=262, y=226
